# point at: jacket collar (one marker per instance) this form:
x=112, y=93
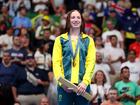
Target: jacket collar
x=65, y=36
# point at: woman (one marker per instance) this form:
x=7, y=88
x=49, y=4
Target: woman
x=43, y=58
x=74, y=59
x=24, y=37
x=99, y=88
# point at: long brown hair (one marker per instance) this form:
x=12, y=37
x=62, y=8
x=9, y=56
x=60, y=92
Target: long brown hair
x=104, y=76
x=67, y=27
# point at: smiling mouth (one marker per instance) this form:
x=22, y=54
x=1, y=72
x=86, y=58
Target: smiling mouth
x=76, y=23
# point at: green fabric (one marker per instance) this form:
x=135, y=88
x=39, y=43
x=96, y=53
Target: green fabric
x=66, y=58
x=31, y=14
x=83, y=53
x=129, y=88
x=55, y=20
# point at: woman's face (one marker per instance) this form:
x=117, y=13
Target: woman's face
x=98, y=41
x=46, y=46
x=75, y=19
x=99, y=76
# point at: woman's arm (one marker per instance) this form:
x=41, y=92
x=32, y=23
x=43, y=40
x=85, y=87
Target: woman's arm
x=57, y=59
x=90, y=62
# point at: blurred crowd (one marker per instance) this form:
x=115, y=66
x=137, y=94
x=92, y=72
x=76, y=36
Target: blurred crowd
x=28, y=29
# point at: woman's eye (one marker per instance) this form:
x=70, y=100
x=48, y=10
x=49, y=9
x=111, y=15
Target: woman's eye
x=72, y=17
x=78, y=17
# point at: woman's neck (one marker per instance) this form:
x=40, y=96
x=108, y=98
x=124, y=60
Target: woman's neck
x=74, y=31
x=99, y=82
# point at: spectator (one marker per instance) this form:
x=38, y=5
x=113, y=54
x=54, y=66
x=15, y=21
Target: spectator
x=39, y=4
x=21, y=21
x=7, y=72
x=24, y=38
x=43, y=58
x=6, y=41
x=91, y=29
x=112, y=98
x=130, y=19
x=52, y=90
x=40, y=32
x=44, y=101
x=56, y=18
x=128, y=91
x=11, y=4
x=5, y=20
x=111, y=16
x=136, y=47
x=112, y=31
x=134, y=67
x=47, y=39
x=130, y=25
x=48, y=56
x=99, y=88
x=37, y=20
x=115, y=56
x=90, y=18
x=99, y=65
x=18, y=54
x=26, y=3
x=99, y=45
x=63, y=21
x=100, y=6
x=29, y=83
x=89, y=11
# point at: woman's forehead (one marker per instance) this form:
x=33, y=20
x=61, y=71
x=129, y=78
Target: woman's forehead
x=75, y=13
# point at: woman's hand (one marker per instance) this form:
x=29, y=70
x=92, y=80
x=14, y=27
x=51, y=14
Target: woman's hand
x=67, y=89
x=81, y=88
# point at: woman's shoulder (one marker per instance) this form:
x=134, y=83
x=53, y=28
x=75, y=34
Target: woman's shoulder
x=64, y=35
x=84, y=36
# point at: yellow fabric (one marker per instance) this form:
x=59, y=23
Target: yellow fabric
x=130, y=35
x=138, y=102
x=90, y=60
x=57, y=59
x=75, y=70
x=34, y=20
x=46, y=18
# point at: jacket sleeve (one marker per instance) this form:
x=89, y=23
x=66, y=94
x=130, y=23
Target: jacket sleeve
x=57, y=59
x=90, y=62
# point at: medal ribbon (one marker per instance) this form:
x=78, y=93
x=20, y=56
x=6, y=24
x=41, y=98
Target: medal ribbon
x=77, y=46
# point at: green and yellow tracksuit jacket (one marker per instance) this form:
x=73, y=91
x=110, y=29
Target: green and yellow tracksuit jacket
x=85, y=59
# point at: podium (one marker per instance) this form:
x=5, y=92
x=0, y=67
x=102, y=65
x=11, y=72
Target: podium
x=74, y=88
